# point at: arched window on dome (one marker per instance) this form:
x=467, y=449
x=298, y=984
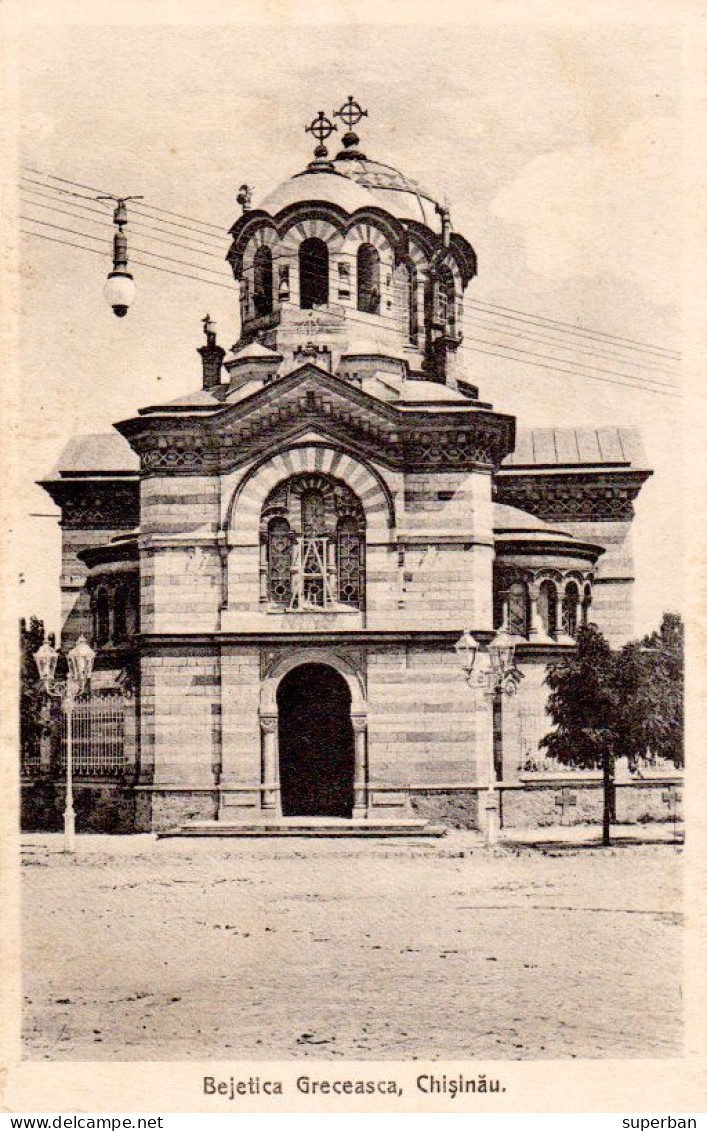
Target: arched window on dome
x=547, y=607
x=368, y=279
x=262, y=282
x=408, y=277
x=570, y=606
x=313, y=273
x=446, y=300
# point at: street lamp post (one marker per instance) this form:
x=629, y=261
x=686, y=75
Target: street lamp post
x=499, y=676
x=80, y=660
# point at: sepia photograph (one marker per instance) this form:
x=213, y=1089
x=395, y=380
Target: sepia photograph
x=350, y=491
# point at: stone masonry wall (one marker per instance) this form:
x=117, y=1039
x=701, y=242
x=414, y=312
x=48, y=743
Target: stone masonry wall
x=424, y=726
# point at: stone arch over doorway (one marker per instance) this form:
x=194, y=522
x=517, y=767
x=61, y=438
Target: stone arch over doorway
x=285, y=692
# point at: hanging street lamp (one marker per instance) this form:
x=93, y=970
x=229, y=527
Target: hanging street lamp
x=119, y=291
x=498, y=676
x=80, y=660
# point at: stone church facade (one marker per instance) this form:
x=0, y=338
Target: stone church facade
x=278, y=565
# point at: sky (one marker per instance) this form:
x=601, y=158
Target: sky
x=558, y=150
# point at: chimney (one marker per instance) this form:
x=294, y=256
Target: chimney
x=212, y=356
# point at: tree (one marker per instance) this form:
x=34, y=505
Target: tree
x=663, y=693
x=585, y=704
x=32, y=698
x=608, y=704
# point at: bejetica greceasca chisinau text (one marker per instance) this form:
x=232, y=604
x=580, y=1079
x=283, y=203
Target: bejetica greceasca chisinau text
x=428, y=1084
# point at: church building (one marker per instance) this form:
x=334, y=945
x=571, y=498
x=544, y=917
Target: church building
x=274, y=569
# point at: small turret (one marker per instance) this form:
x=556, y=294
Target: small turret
x=212, y=355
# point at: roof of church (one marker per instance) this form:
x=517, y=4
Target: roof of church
x=356, y=182
x=96, y=453
x=109, y=453
x=513, y=518
x=548, y=447
x=255, y=350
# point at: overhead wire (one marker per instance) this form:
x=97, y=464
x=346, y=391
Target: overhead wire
x=550, y=326
x=581, y=331
x=142, y=250
x=632, y=383
x=629, y=379
x=509, y=312
x=106, y=219
x=508, y=329
x=135, y=203
x=141, y=262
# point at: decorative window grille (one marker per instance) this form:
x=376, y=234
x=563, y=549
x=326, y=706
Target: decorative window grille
x=518, y=609
x=314, y=557
x=350, y=563
x=279, y=561
x=98, y=735
x=313, y=513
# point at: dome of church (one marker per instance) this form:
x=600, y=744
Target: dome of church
x=353, y=181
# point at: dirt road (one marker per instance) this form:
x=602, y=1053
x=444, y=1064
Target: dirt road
x=169, y=950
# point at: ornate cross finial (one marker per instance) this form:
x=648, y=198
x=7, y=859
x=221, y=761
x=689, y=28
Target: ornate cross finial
x=351, y=112
x=320, y=127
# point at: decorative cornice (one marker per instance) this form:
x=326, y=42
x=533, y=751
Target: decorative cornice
x=599, y=496
x=310, y=398
x=111, y=505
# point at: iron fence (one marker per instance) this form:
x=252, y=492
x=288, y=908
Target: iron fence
x=98, y=735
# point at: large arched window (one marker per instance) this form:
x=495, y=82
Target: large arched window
x=262, y=281
x=313, y=545
x=547, y=607
x=279, y=553
x=570, y=605
x=313, y=273
x=368, y=279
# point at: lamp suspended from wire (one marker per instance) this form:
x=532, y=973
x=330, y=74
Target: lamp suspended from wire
x=119, y=290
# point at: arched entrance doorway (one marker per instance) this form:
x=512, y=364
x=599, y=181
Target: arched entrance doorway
x=316, y=743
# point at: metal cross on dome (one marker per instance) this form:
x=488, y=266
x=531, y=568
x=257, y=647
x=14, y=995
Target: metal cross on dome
x=320, y=127
x=351, y=112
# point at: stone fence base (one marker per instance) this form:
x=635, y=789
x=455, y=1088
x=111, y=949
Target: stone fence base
x=540, y=802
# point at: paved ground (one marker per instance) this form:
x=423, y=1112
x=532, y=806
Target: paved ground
x=138, y=949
